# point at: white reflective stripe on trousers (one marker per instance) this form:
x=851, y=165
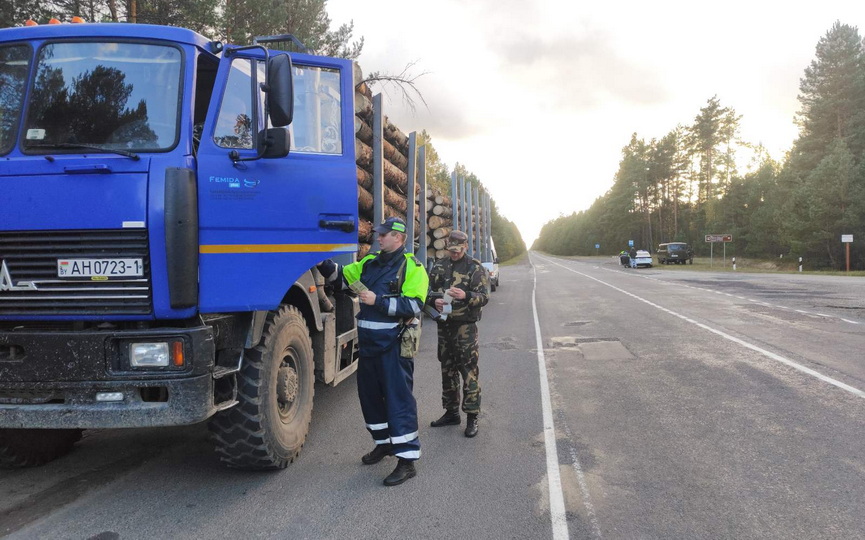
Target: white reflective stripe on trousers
x=404, y=438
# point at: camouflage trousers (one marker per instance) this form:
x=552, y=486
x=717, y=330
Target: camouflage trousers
x=458, y=354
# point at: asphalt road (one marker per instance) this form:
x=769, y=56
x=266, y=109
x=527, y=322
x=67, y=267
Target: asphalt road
x=681, y=405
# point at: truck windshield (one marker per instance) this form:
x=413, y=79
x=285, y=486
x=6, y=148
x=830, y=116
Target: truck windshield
x=14, y=61
x=111, y=95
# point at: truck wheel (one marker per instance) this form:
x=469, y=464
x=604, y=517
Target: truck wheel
x=32, y=447
x=275, y=388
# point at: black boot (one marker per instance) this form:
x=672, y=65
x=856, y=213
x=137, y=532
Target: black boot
x=404, y=470
x=450, y=418
x=471, y=425
x=378, y=453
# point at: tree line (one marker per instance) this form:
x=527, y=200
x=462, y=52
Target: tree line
x=507, y=238
x=691, y=182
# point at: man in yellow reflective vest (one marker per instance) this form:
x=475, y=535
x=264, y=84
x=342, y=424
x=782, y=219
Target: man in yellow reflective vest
x=392, y=287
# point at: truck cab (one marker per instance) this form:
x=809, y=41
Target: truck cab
x=165, y=201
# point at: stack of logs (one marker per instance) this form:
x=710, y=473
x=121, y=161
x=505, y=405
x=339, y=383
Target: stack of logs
x=440, y=223
x=395, y=165
x=438, y=208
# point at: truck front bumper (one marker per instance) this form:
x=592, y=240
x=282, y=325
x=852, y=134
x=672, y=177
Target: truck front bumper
x=187, y=401
x=81, y=379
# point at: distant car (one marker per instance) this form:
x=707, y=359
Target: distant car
x=675, y=253
x=492, y=267
x=643, y=258
x=493, y=271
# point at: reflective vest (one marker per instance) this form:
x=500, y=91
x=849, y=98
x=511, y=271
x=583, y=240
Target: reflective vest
x=400, y=285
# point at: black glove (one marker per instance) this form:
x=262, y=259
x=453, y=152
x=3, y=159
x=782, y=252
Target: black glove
x=328, y=269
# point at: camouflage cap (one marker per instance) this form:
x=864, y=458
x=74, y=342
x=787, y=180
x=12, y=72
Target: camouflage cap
x=457, y=240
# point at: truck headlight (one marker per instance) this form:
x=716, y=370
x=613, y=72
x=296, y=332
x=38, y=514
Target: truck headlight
x=149, y=355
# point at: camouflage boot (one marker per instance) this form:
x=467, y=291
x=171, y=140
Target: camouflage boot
x=450, y=418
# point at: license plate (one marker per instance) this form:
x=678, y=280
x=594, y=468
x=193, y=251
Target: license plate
x=100, y=268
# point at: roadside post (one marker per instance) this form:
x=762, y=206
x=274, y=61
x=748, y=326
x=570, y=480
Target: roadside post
x=800, y=265
x=723, y=238
x=847, y=239
x=734, y=264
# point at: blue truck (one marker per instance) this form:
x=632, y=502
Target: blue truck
x=164, y=201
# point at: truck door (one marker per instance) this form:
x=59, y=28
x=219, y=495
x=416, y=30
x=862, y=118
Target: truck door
x=263, y=222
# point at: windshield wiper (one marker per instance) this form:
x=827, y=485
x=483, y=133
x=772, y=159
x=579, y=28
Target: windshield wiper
x=118, y=151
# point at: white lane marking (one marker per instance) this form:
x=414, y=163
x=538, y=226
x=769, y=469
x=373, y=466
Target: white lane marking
x=558, y=517
x=557, y=498
x=764, y=352
x=581, y=480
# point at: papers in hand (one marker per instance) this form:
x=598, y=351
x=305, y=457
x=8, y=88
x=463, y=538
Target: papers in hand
x=447, y=308
x=358, y=287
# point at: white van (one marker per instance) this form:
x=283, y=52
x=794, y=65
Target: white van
x=492, y=266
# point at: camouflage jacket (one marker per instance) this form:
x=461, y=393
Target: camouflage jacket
x=467, y=274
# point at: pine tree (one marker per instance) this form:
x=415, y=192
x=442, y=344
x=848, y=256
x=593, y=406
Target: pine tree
x=832, y=96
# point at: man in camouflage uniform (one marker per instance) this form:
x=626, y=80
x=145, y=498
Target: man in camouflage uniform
x=465, y=280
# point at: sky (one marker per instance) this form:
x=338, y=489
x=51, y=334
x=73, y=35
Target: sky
x=538, y=97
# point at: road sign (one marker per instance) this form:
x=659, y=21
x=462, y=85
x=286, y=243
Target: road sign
x=719, y=238
x=597, y=246
x=630, y=243
x=846, y=238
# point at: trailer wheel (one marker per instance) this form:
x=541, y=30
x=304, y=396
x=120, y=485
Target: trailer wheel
x=275, y=388
x=32, y=447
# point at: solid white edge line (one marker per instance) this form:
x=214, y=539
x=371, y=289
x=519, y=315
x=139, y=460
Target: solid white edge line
x=768, y=354
x=558, y=517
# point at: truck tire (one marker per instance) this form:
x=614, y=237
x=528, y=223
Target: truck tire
x=275, y=388
x=32, y=447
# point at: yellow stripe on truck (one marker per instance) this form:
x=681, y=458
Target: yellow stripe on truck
x=275, y=248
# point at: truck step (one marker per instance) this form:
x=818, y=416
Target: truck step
x=221, y=371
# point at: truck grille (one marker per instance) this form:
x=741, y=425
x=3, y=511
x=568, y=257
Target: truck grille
x=30, y=257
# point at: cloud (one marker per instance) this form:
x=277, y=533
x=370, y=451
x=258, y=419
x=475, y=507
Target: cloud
x=445, y=114
x=578, y=71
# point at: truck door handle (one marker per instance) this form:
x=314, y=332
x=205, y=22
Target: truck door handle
x=343, y=225
x=88, y=169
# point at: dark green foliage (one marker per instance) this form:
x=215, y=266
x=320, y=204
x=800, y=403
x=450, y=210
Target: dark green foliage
x=15, y=12
x=437, y=175
x=236, y=21
x=307, y=20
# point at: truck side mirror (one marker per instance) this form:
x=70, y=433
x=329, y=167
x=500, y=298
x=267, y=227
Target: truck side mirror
x=274, y=142
x=281, y=90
